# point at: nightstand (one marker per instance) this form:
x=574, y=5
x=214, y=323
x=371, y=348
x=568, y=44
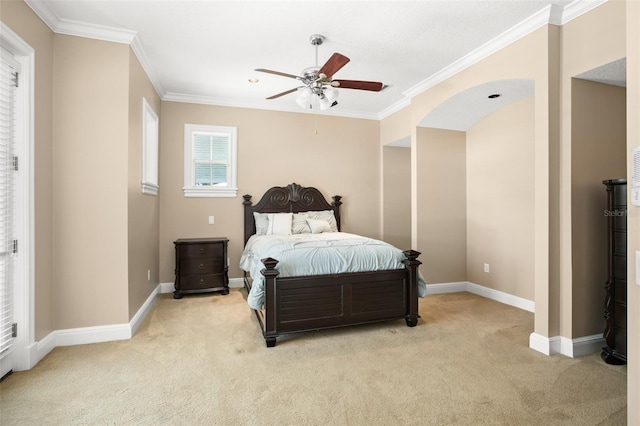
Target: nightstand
x=201, y=266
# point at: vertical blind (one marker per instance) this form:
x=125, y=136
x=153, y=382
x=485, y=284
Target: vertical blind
x=8, y=83
x=211, y=157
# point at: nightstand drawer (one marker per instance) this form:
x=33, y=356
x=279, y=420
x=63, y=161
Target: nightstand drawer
x=196, y=282
x=201, y=266
x=201, y=250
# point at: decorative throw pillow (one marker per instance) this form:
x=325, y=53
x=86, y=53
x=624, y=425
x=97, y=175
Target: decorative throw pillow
x=325, y=215
x=280, y=224
x=299, y=224
x=318, y=226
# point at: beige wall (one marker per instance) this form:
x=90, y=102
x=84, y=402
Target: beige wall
x=396, y=190
x=143, y=210
x=81, y=168
x=598, y=152
x=594, y=39
x=500, y=188
x=21, y=19
x=396, y=126
x=91, y=81
x=442, y=205
x=339, y=156
x=530, y=57
x=633, y=225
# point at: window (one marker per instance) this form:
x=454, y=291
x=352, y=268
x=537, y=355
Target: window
x=210, y=154
x=149, y=149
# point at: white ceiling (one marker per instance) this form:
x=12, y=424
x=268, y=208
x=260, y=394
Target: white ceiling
x=205, y=51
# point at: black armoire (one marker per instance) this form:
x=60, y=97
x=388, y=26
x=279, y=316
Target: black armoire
x=615, y=305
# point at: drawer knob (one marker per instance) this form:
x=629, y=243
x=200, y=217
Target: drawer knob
x=201, y=265
x=201, y=250
x=201, y=280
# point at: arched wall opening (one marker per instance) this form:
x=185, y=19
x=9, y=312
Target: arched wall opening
x=475, y=180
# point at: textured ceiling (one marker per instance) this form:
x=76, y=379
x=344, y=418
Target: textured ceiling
x=206, y=51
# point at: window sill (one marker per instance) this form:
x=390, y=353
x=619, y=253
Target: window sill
x=149, y=188
x=210, y=192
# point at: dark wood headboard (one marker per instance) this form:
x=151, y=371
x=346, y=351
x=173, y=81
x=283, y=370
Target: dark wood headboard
x=284, y=199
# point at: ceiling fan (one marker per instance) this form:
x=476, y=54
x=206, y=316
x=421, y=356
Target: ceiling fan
x=318, y=82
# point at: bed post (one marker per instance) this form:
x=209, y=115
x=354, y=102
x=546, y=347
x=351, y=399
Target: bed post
x=270, y=274
x=336, y=209
x=248, y=218
x=412, y=263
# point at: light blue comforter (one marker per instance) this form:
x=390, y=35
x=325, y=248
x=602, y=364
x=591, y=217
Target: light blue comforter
x=317, y=254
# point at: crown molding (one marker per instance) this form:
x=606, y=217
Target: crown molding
x=577, y=8
x=138, y=50
x=44, y=12
x=513, y=34
x=552, y=14
x=98, y=32
x=79, y=29
x=392, y=109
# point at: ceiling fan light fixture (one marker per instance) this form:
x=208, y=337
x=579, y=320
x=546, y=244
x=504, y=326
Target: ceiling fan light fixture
x=324, y=102
x=331, y=93
x=304, y=97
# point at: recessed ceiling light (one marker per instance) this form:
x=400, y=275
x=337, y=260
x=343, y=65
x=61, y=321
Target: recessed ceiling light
x=253, y=80
x=495, y=95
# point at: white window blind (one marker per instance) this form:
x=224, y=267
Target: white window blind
x=8, y=165
x=211, y=157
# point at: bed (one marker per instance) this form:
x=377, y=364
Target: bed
x=299, y=303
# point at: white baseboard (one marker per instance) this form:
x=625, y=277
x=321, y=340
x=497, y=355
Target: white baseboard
x=489, y=293
x=447, y=288
x=547, y=345
x=572, y=348
x=85, y=335
x=236, y=282
x=167, y=287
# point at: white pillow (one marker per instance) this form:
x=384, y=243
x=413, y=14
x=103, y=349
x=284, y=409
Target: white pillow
x=280, y=224
x=299, y=224
x=318, y=226
x=262, y=222
x=326, y=215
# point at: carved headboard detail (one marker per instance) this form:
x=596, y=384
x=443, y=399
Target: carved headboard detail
x=283, y=199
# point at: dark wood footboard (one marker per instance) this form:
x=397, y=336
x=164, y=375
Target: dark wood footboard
x=298, y=304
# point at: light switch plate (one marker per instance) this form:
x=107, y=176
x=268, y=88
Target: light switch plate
x=635, y=196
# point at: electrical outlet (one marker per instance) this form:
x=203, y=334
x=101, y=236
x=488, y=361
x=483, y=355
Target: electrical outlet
x=211, y=220
x=486, y=267
x=148, y=274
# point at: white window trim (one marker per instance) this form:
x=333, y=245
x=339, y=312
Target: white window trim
x=191, y=190
x=150, y=131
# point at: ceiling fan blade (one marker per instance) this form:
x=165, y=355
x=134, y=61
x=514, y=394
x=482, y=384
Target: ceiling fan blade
x=373, y=86
x=283, y=74
x=282, y=94
x=335, y=62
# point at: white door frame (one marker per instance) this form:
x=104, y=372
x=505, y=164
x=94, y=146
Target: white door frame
x=24, y=306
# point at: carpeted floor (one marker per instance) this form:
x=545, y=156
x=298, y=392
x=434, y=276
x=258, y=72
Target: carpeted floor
x=202, y=360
